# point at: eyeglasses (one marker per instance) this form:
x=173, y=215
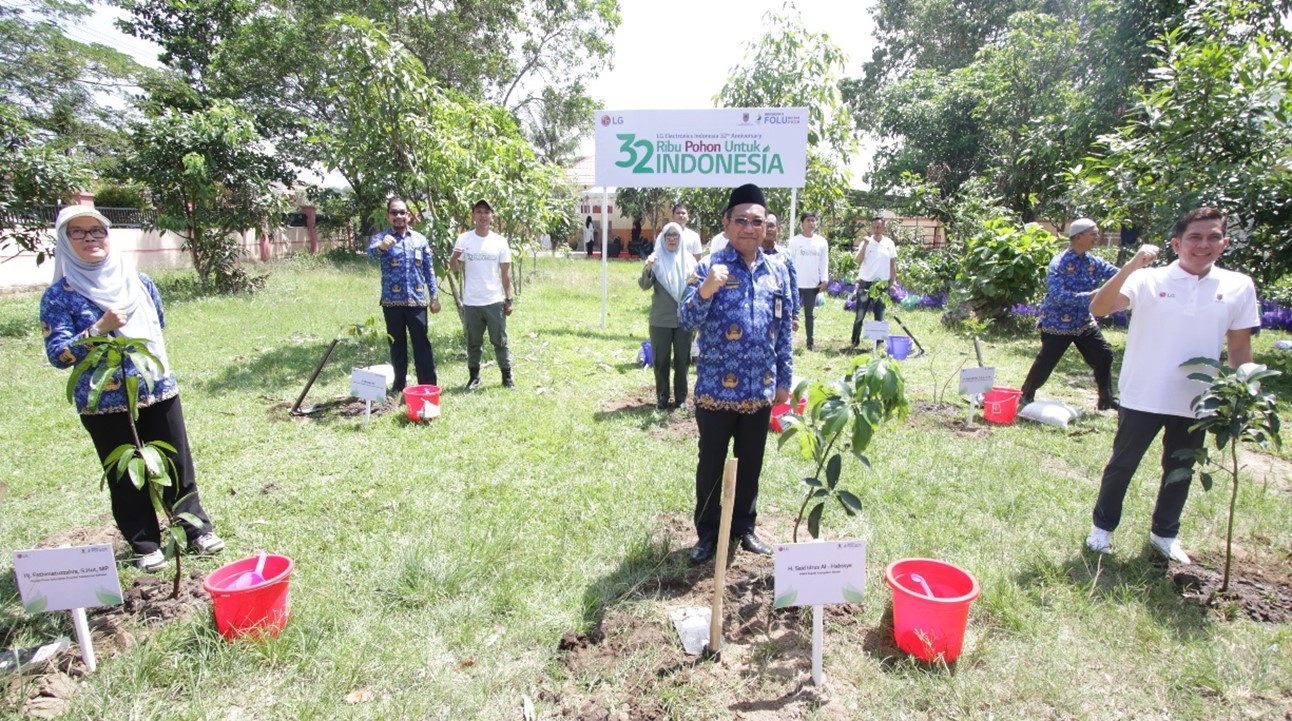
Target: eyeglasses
x=672, y=235
x=98, y=233
x=743, y=222
x=397, y=212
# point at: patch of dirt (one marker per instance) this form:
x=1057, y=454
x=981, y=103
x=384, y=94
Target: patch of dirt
x=46, y=692
x=670, y=424
x=1264, y=468
x=342, y=406
x=767, y=655
x=1260, y=586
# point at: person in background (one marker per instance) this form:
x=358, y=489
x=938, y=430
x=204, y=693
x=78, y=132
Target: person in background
x=876, y=263
x=485, y=259
x=1070, y=282
x=666, y=272
x=589, y=237
x=810, y=254
x=1188, y=309
x=94, y=294
x=690, y=238
x=738, y=299
x=777, y=252
x=407, y=289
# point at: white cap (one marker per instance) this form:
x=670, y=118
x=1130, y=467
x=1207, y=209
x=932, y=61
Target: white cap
x=76, y=211
x=1080, y=225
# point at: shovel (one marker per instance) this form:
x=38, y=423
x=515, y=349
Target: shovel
x=701, y=628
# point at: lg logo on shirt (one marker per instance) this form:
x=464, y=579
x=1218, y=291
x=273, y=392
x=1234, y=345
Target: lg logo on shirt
x=1164, y=294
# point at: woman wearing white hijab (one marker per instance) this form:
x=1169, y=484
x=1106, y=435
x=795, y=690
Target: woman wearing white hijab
x=94, y=294
x=668, y=270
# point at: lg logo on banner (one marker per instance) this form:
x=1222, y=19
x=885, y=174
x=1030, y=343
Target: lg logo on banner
x=607, y=121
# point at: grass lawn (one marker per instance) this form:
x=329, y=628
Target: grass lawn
x=438, y=566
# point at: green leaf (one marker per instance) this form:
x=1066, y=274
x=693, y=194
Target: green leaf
x=832, y=470
x=786, y=599
x=813, y=483
x=176, y=535
x=851, y=504
x=1179, y=474
x=138, y=472
x=108, y=598
x=190, y=519
x=36, y=605
x=814, y=520
x=1206, y=480
x=1204, y=361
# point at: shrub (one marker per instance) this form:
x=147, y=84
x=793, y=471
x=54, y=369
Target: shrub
x=1003, y=265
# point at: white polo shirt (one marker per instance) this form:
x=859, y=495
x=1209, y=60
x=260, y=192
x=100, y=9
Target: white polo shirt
x=717, y=243
x=1176, y=316
x=811, y=259
x=876, y=265
x=691, y=242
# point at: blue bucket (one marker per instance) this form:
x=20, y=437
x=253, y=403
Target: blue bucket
x=899, y=346
x=648, y=358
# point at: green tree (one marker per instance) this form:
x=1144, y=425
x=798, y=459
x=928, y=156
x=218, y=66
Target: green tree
x=653, y=204
x=1213, y=126
x=54, y=131
x=791, y=66
x=210, y=180
x=435, y=147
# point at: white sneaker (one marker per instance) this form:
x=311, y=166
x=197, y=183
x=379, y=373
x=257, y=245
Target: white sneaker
x=208, y=543
x=151, y=561
x=1169, y=548
x=1099, y=540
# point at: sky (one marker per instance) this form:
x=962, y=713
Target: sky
x=669, y=54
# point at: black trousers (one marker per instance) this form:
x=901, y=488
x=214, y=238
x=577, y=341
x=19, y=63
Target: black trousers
x=670, y=350
x=1093, y=348
x=864, y=304
x=717, y=431
x=401, y=322
x=1135, y=432
x=131, y=508
x=808, y=297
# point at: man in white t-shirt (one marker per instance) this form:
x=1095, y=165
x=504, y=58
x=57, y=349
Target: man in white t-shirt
x=876, y=263
x=810, y=254
x=1188, y=309
x=717, y=243
x=690, y=239
x=485, y=259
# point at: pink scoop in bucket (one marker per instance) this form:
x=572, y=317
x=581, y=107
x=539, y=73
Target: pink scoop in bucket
x=251, y=578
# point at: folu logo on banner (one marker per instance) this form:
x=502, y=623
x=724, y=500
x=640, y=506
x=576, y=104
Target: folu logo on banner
x=702, y=148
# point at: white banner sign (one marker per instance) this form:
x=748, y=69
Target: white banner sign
x=58, y=579
x=976, y=380
x=815, y=574
x=720, y=148
x=875, y=329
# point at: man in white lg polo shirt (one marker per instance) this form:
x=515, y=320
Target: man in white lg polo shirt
x=1188, y=309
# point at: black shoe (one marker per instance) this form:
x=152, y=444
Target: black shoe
x=474, y=382
x=704, y=551
x=1108, y=404
x=752, y=543
x=662, y=404
x=508, y=381
x=811, y=345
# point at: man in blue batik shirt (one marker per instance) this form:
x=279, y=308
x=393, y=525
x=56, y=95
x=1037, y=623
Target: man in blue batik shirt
x=740, y=301
x=1071, y=281
x=407, y=289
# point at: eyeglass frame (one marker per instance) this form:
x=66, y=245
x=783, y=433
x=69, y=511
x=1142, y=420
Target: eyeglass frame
x=98, y=232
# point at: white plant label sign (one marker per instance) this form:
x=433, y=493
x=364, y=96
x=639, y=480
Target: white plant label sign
x=875, y=330
x=59, y=579
x=977, y=380
x=367, y=385
x=819, y=573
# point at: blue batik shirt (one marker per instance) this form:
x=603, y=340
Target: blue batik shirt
x=778, y=255
x=65, y=317
x=745, y=328
x=407, y=270
x=1070, y=283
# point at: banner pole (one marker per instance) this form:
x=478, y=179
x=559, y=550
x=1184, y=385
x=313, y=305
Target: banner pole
x=794, y=212
x=605, y=247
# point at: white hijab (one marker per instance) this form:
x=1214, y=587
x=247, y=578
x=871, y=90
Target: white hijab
x=108, y=284
x=673, y=268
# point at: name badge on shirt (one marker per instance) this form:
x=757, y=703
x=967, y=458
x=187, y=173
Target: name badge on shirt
x=732, y=283
x=417, y=256
x=778, y=306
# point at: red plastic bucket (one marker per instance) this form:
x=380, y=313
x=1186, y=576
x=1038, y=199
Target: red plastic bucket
x=781, y=409
x=419, y=397
x=1000, y=405
x=930, y=628
x=254, y=610
x=899, y=346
